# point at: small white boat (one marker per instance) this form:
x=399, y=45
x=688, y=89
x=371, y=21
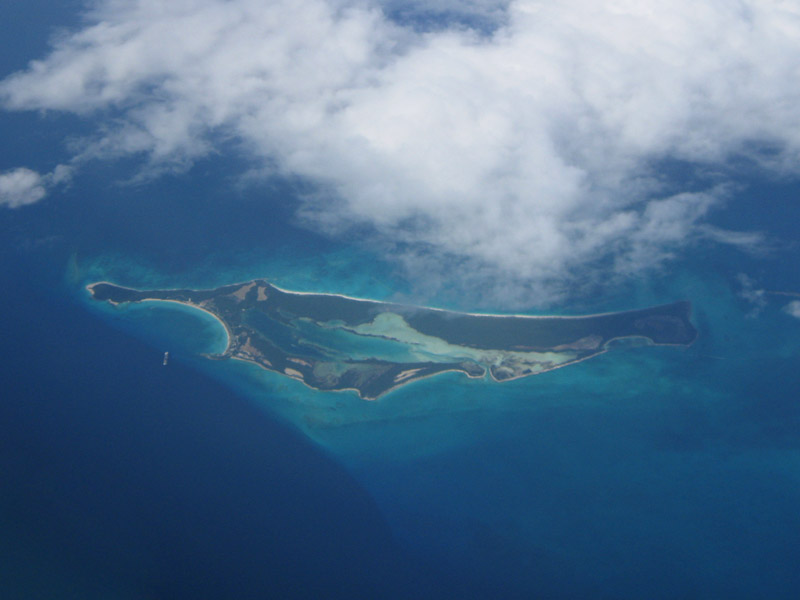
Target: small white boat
x=166, y=358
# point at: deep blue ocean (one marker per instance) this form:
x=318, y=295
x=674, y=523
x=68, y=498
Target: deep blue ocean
x=644, y=473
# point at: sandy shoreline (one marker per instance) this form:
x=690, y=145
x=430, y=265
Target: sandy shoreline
x=370, y=300
x=228, y=332
x=358, y=393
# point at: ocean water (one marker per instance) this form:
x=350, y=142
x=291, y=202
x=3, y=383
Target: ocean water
x=125, y=479
x=646, y=472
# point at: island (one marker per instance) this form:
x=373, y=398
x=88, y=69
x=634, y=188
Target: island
x=333, y=342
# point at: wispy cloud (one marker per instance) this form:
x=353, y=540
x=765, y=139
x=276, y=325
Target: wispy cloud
x=523, y=156
x=753, y=294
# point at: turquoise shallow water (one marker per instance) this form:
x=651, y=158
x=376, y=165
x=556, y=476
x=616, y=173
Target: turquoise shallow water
x=174, y=326
x=647, y=468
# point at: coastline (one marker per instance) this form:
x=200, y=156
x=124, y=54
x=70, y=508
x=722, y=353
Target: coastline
x=358, y=393
x=232, y=351
x=371, y=300
x=229, y=336
x=228, y=332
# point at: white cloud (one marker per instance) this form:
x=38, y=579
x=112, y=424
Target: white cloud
x=22, y=186
x=793, y=308
x=526, y=155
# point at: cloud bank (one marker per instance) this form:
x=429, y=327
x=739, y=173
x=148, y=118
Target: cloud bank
x=527, y=159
